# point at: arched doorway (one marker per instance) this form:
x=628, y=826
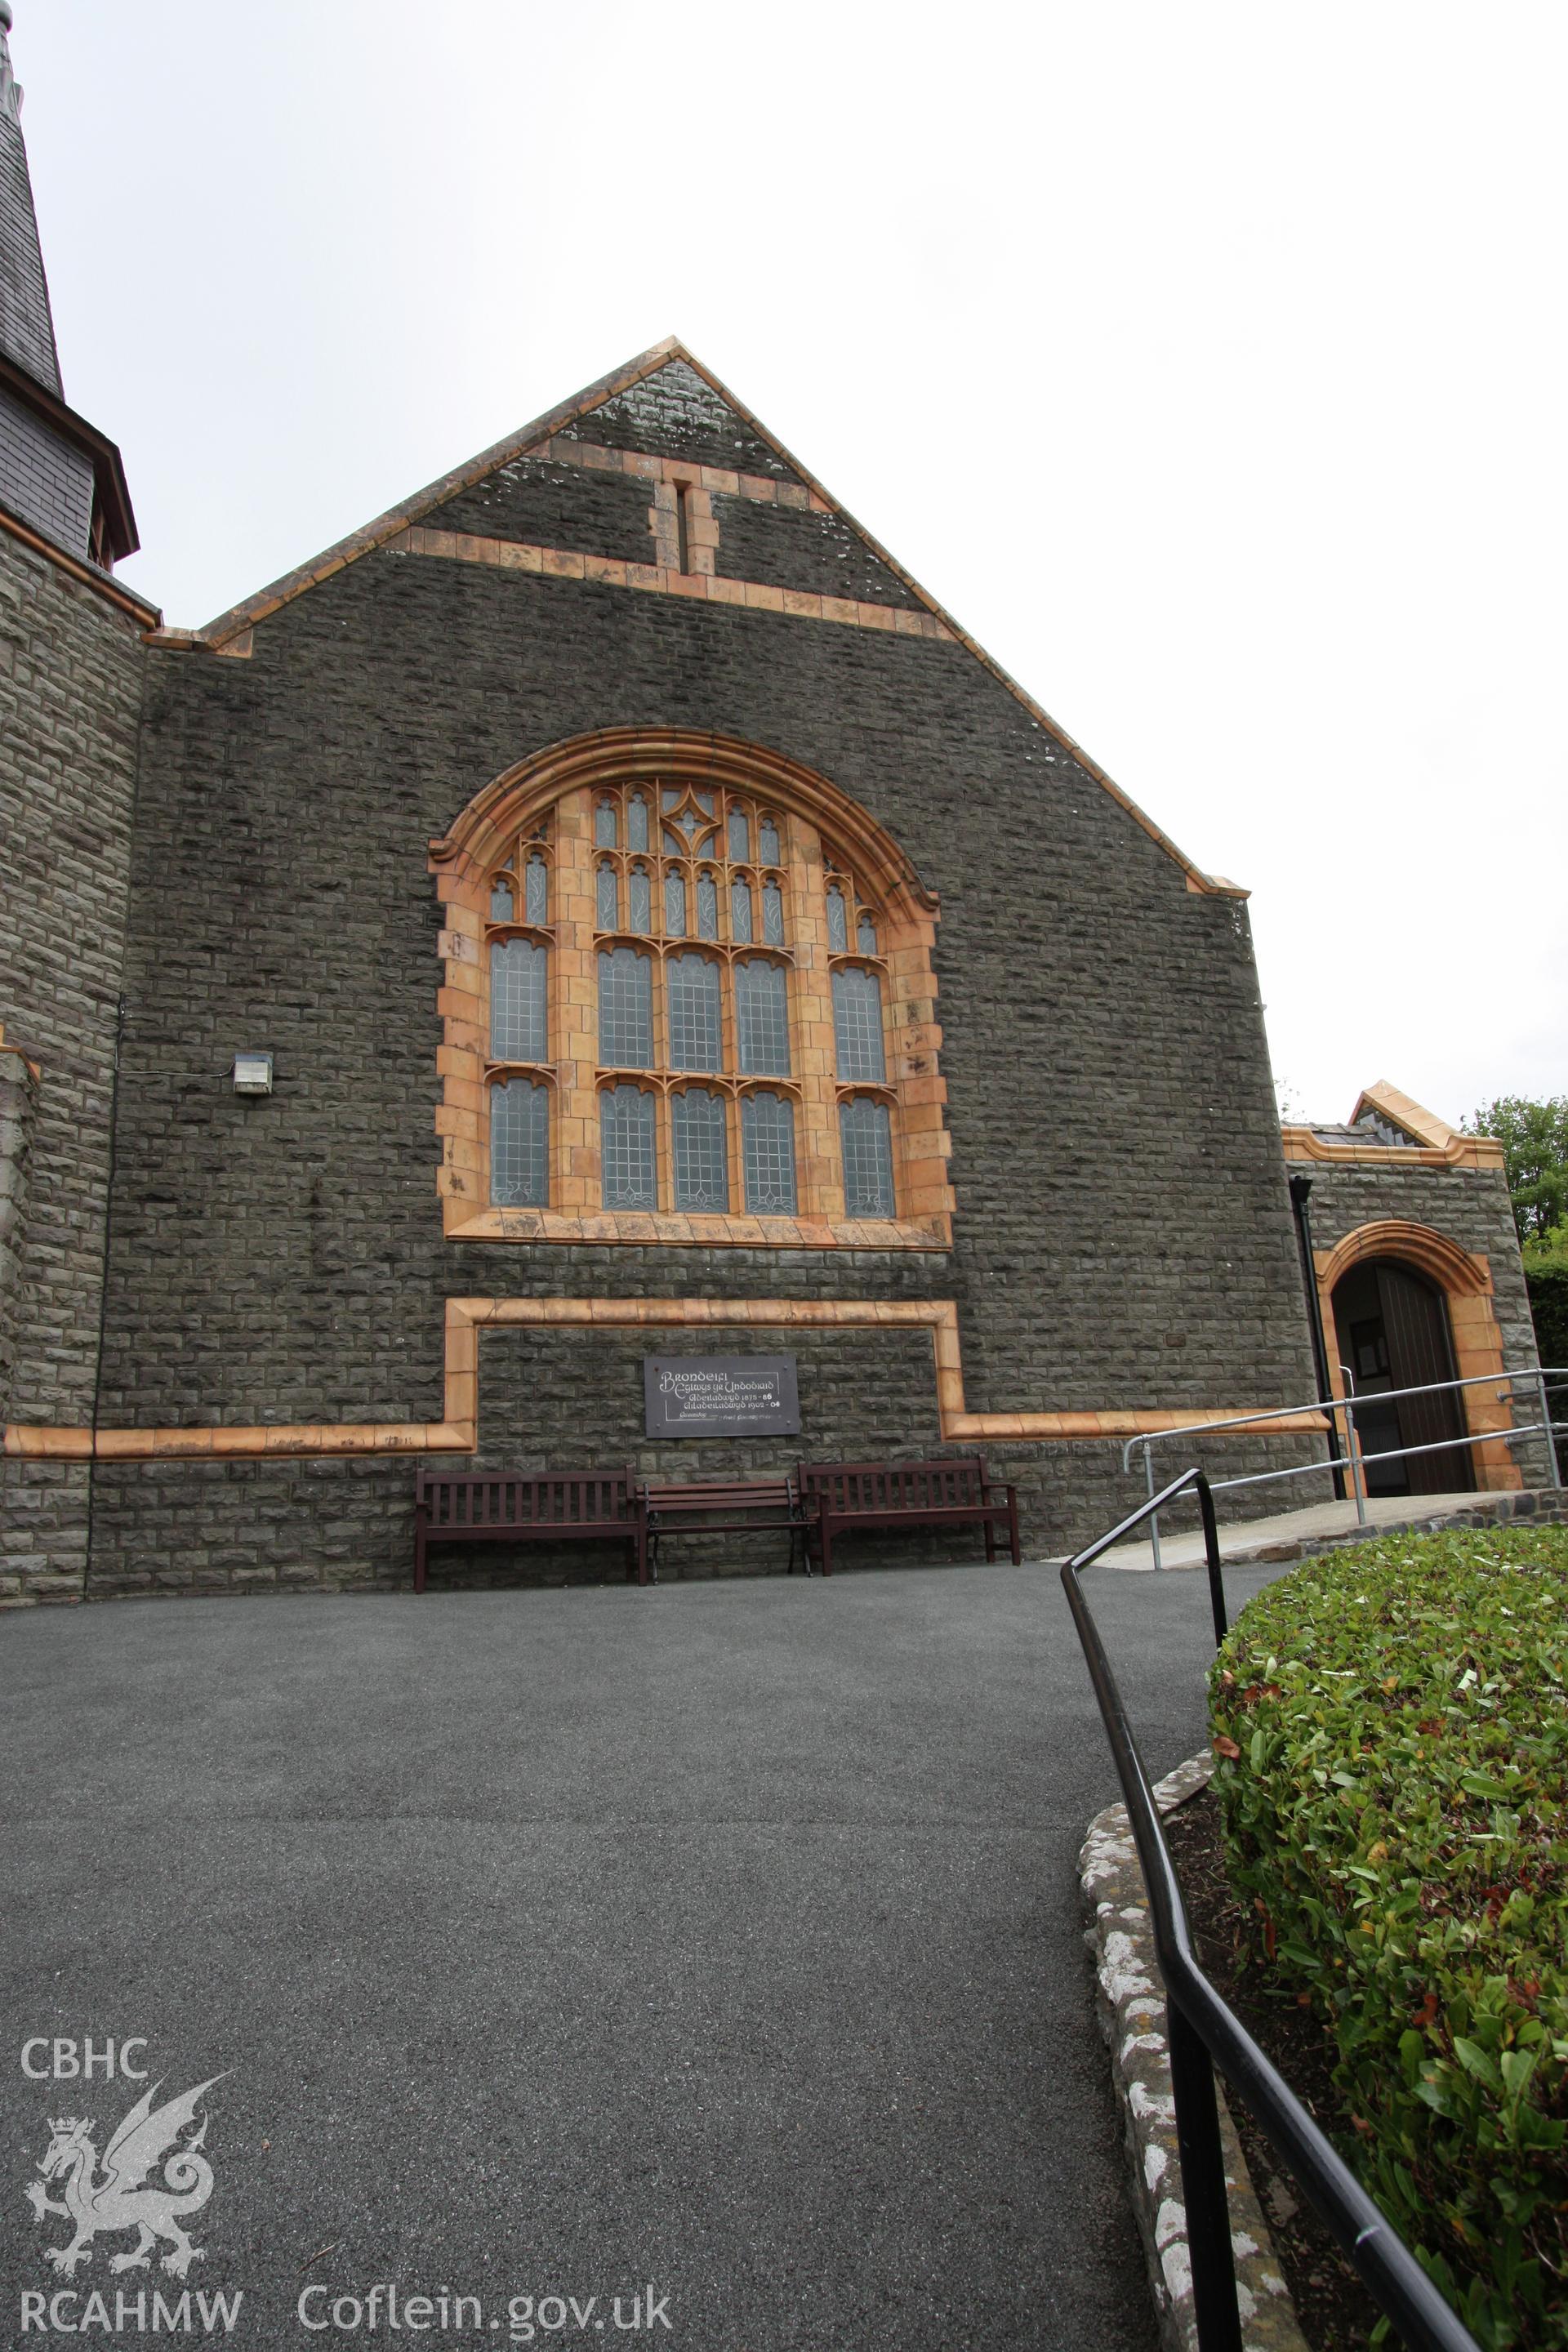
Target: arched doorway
x=1392, y=1329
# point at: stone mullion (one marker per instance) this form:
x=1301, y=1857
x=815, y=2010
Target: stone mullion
x=576, y=1186
x=818, y=1182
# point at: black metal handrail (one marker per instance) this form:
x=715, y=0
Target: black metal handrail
x=1203, y=2031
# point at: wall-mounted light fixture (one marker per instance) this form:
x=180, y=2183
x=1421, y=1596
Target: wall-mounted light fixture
x=252, y=1074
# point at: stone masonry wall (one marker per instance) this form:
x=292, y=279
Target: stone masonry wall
x=1122, y=1235
x=71, y=690
x=18, y=1110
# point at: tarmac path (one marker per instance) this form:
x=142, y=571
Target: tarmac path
x=716, y=1944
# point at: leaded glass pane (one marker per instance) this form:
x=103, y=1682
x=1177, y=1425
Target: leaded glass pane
x=740, y=837
x=857, y=1023
x=609, y=898
x=704, y=801
x=768, y=842
x=865, y=1136
x=625, y=1009
x=673, y=845
x=670, y=796
x=640, y=890
x=501, y=904
x=699, y=1149
x=675, y=906
x=605, y=827
x=516, y=1002
x=772, y=915
x=866, y=936
x=837, y=922
x=696, y=1028
x=636, y=821
x=536, y=891
x=767, y=1149
x=520, y=1145
x=762, y=1019
x=626, y=1116
x=741, y=913
x=707, y=908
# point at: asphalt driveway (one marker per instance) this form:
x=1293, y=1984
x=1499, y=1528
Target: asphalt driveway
x=711, y=1951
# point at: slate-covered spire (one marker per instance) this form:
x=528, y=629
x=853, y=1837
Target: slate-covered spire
x=26, y=328
x=60, y=476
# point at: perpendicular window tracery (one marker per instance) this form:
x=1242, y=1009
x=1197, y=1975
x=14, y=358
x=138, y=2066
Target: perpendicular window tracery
x=728, y=955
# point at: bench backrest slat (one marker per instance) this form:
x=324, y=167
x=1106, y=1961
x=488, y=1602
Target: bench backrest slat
x=477, y=1498
x=945, y=1482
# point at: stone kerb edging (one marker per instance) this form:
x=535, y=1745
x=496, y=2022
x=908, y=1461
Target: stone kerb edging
x=1130, y=2000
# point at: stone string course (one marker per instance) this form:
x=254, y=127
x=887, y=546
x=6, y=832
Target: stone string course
x=1129, y=2000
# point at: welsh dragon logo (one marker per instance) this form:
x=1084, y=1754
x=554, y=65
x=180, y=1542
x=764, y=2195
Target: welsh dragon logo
x=121, y=2197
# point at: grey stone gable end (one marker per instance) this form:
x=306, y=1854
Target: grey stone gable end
x=674, y=413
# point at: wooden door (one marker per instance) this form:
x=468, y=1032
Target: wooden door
x=1392, y=1325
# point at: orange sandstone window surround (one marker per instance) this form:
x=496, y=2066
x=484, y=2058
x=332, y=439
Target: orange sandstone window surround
x=684, y=1010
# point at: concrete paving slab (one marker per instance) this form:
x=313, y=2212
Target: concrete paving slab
x=717, y=1941
x=1286, y=1531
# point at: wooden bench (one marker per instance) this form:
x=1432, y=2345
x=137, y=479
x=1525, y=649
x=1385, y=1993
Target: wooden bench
x=527, y=1507
x=840, y=1497
x=723, y=1507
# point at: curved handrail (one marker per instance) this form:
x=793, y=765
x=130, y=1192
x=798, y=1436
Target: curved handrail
x=1204, y=2032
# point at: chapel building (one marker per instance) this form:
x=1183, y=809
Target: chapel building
x=605, y=908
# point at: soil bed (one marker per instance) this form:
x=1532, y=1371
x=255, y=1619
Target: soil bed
x=1336, y=2313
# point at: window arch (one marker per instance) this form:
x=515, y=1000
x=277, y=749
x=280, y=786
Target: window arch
x=689, y=998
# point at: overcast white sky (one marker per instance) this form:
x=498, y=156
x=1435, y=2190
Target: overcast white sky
x=1207, y=362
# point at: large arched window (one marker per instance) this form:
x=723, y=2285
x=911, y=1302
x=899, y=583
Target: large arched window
x=703, y=1005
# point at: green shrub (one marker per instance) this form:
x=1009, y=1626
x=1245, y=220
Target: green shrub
x=1391, y=1746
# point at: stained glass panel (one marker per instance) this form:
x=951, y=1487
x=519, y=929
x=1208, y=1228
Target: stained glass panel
x=696, y=1026
x=740, y=837
x=609, y=898
x=707, y=907
x=640, y=890
x=762, y=1019
x=767, y=1149
x=606, y=831
x=520, y=1145
x=536, y=891
x=768, y=842
x=857, y=1023
x=865, y=1136
x=627, y=1116
x=699, y=1149
x=772, y=915
x=674, y=905
x=501, y=904
x=517, y=1024
x=625, y=1009
x=636, y=821
x=837, y=922
x=866, y=936
x=741, y=913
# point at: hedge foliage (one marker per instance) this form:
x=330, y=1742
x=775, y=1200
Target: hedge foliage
x=1390, y=1736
